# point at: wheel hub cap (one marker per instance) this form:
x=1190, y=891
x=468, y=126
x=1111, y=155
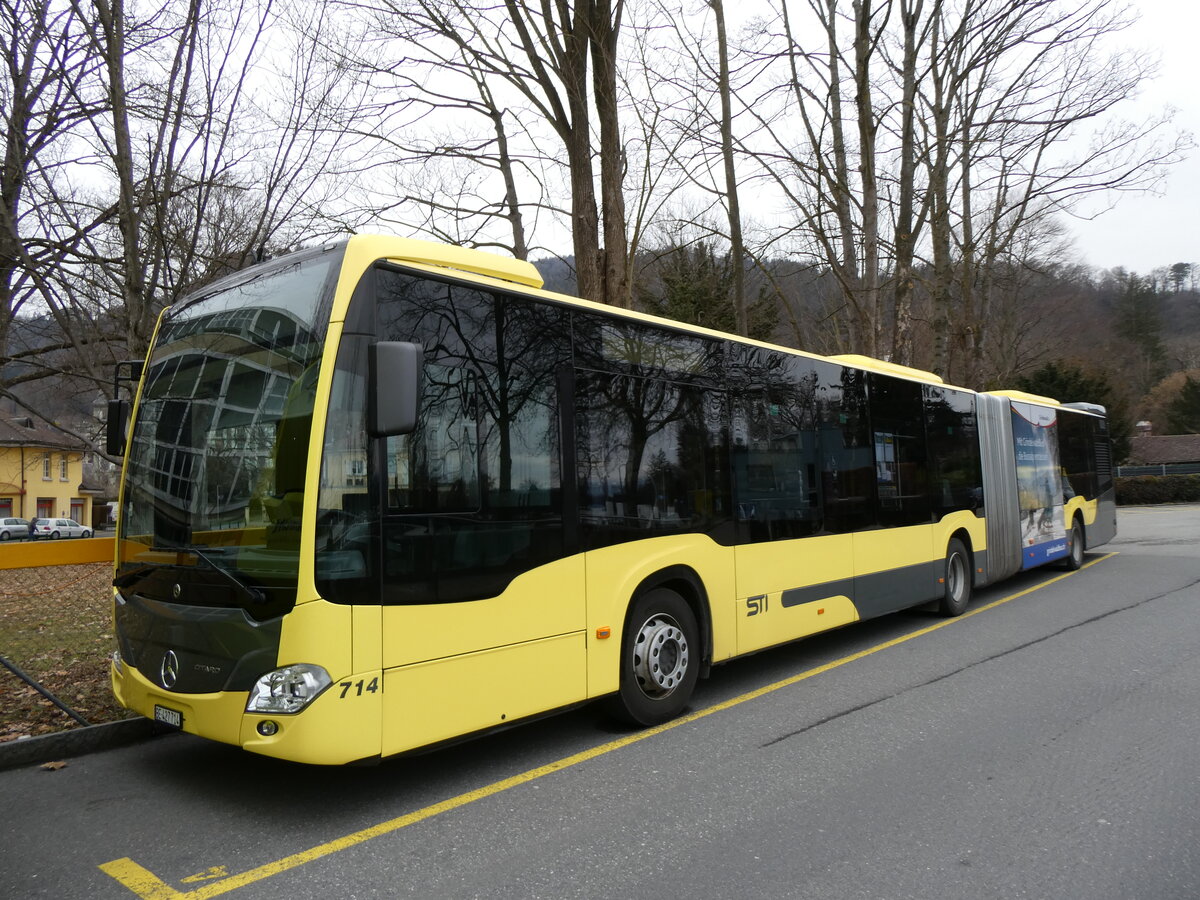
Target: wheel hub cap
x=660, y=657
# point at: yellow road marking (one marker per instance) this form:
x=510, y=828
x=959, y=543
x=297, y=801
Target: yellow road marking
x=148, y=886
x=207, y=875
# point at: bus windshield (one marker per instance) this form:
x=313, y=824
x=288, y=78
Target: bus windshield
x=216, y=461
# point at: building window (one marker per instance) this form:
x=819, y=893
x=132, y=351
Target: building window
x=45, y=507
x=356, y=472
x=62, y=468
x=46, y=476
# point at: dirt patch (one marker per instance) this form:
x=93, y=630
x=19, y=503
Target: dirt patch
x=56, y=626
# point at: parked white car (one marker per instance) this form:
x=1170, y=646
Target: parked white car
x=59, y=528
x=14, y=529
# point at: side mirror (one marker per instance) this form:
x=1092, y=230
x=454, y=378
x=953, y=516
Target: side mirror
x=394, y=391
x=116, y=427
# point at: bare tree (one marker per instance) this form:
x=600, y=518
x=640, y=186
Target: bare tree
x=693, y=80
x=446, y=152
x=827, y=96
x=201, y=190
x=1018, y=87
x=46, y=100
x=545, y=69
x=923, y=142
x=146, y=154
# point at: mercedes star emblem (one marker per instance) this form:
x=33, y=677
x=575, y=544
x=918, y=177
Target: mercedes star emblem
x=169, y=673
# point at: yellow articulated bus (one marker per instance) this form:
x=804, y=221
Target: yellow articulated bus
x=386, y=494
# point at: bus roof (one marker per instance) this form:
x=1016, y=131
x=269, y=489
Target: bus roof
x=888, y=368
x=463, y=259
x=1026, y=398
x=452, y=261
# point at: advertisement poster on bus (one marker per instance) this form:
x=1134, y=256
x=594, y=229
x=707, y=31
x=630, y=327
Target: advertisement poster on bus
x=1039, y=484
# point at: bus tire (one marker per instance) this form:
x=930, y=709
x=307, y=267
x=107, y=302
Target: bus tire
x=660, y=659
x=956, y=585
x=1075, y=542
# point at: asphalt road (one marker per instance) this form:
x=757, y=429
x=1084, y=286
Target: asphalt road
x=1046, y=745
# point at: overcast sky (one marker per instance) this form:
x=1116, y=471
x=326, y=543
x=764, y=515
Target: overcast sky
x=1143, y=232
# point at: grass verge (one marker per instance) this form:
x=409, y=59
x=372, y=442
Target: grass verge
x=56, y=625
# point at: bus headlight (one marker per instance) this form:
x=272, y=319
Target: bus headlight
x=288, y=690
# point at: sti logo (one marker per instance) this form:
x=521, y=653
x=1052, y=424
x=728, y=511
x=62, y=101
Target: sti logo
x=756, y=605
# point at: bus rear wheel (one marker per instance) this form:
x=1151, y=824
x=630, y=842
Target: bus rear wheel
x=660, y=659
x=956, y=581
x=1074, y=558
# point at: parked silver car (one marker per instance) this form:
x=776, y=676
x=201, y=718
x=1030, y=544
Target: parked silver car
x=59, y=528
x=14, y=529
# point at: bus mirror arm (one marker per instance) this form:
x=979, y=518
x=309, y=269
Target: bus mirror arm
x=394, y=391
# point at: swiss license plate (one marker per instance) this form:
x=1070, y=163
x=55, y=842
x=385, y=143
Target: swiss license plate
x=172, y=717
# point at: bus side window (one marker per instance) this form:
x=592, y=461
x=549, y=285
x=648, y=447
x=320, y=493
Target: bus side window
x=647, y=454
x=473, y=495
x=436, y=468
x=953, y=433
x=1077, y=454
x=775, y=460
x=898, y=434
x=847, y=472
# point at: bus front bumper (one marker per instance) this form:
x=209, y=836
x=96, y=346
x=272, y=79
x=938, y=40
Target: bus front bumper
x=330, y=731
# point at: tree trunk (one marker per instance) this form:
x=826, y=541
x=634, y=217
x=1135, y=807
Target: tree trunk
x=906, y=238
x=967, y=320
x=512, y=204
x=939, y=192
x=585, y=217
x=869, y=311
x=111, y=19
x=605, y=27
x=733, y=208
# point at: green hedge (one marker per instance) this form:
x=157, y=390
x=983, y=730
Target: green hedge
x=1147, y=489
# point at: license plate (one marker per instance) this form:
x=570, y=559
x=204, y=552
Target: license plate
x=172, y=717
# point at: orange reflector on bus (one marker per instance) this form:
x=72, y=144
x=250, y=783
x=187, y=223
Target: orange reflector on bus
x=602, y=633
x=941, y=581
x=821, y=612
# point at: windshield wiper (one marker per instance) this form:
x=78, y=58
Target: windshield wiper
x=252, y=594
x=246, y=592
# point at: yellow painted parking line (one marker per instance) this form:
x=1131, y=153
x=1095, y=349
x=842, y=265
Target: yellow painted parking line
x=148, y=886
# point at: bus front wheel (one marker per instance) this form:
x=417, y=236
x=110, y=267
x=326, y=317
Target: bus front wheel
x=956, y=581
x=660, y=659
x=1074, y=546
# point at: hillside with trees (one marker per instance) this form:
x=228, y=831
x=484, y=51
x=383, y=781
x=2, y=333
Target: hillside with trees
x=887, y=177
